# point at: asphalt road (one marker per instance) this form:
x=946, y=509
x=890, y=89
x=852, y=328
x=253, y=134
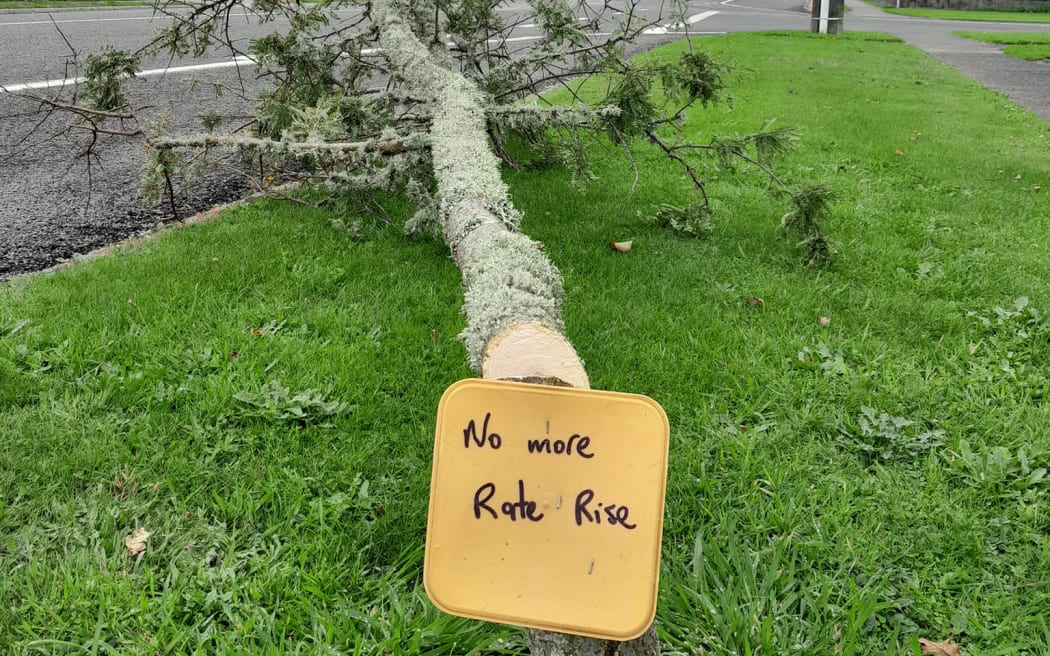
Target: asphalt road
x=53, y=206
x=50, y=210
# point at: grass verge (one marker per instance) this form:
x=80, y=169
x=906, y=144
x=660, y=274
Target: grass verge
x=974, y=15
x=258, y=394
x=1032, y=46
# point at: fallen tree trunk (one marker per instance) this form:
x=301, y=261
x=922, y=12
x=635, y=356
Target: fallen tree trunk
x=507, y=278
x=512, y=291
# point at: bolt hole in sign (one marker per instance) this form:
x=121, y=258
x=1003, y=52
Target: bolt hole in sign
x=546, y=507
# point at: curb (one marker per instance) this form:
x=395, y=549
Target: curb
x=127, y=244
x=160, y=228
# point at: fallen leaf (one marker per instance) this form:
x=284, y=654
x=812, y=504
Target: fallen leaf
x=621, y=246
x=136, y=542
x=756, y=301
x=899, y=153
x=235, y=354
x=825, y=321
x=946, y=648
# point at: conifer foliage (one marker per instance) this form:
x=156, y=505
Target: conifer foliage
x=338, y=116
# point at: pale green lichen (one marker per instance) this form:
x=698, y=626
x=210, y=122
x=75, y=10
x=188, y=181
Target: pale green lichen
x=508, y=279
x=506, y=276
x=427, y=219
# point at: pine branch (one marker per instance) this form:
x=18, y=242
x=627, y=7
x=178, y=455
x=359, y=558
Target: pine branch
x=381, y=146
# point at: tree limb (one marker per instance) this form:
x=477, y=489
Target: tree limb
x=377, y=146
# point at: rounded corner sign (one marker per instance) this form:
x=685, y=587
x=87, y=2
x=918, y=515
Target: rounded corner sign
x=546, y=507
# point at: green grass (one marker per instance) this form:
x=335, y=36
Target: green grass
x=1028, y=52
x=1008, y=38
x=1032, y=46
x=849, y=487
x=975, y=15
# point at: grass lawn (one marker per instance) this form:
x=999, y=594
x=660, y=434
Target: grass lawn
x=1032, y=46
x=258, y=394
x=974, y=15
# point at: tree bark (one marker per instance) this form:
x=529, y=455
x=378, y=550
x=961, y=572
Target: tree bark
x=512, y=291
x=545, y=643
x=507, y=278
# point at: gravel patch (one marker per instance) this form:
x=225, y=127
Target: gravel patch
x=54, y=211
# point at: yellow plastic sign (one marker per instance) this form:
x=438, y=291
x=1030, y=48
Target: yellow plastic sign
x=546, y=507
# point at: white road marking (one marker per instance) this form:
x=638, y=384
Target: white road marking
x=674, y=27
x=97, y=20
x=529, y=26
x=696, y=18
x=122, y=18
x=46, y=84
x=61, y=82
x=244, y=61
x=525, y=7
x=515, y=39
x=80, y=20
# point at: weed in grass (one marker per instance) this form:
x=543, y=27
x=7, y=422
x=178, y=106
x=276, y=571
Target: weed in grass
x=1022, y=325
x=878, y=437
x=822, y=357
x=275, y=402
x=1002, y=471
x=1011, y=350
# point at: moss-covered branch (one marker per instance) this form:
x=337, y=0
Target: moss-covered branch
x=380, y=146
x=507, y=277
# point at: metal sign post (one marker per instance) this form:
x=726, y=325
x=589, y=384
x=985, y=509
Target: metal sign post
x=827, y=16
